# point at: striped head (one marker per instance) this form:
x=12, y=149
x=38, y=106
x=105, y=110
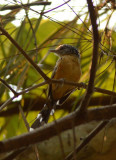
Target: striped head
x=66, y=49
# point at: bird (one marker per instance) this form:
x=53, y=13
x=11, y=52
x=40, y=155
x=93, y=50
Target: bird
x=67, y=68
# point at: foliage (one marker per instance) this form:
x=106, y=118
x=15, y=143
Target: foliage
x=36, y=36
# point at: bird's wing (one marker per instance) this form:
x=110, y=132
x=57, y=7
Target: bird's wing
x=64, y=98
x=50, y=86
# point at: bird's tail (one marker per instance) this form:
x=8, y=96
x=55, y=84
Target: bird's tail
x=42, y=117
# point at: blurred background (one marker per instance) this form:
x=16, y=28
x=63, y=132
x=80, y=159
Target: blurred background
x=37, y=27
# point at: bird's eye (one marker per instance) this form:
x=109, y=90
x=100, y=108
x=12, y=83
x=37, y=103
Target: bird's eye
x=62, y=48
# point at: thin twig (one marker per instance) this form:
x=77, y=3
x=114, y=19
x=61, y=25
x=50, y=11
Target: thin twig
x=101, y=5
x=59, y=136
x=6, y=103
x=11, y=7
x=63, y=25
x=33, y=33
x=20, y=93
x=88, y=139
x=14, y=154
x=24, y=118
x=79, y=85
x=4, y=32
x=56, y=7
x=32, y=87
x=28, y=128
x=8, y=86
x=74, y=141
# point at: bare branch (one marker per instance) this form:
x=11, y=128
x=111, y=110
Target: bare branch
x=65, y=123
x=38, y=103
x=88, y=138
x=56, y=7
x=12, y=155
x=24, y=118
x=79, y=85
x=90, y=87
x=20, y=93
x=7, y=102
x=11, y=7
x=24, y=53
x=28, y=128
x=8, y=86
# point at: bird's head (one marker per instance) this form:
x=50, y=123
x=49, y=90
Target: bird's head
x=66, y=49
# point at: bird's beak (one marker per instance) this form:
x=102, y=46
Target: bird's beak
x=53, y=50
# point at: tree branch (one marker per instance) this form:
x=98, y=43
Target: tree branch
x=79, y=85
x=65, y=123
x=8, y=86
x=38, y=103
x=90, y=87
x=4, y=32
x=11, y=7
x=87, y=139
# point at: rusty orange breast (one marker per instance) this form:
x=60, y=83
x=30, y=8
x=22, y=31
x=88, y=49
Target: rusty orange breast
x=67, y=68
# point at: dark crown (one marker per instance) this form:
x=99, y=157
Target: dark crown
x=66, y=49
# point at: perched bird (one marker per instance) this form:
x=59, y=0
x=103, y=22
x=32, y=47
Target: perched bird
x=67, y=68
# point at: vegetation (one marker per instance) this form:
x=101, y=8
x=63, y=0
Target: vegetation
x=26, y=66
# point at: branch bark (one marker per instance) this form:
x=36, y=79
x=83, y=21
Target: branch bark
x=11, y=7
x=4, y=32
x=88, y=139
x=90, y=87
x=48, y=131
x=38, y=103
